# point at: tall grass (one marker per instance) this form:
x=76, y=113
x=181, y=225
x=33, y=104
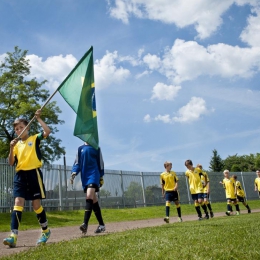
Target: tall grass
x=234, y=237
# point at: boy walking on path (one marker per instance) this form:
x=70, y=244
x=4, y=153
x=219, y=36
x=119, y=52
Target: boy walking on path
x=197, y=181
x=240, y=193
x=169, y=184
x=28, y=181
x=206, y=190
x=230, y=186
x=90, y=163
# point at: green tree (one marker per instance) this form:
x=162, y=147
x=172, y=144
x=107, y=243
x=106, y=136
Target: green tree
x=216, y=163
x=257, y=161
x=21, y=96
x=133, y=193
x=104, y=193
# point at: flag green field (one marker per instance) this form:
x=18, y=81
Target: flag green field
x=78, y=89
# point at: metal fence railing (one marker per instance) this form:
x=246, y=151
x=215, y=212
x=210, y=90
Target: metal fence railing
x=121, y=188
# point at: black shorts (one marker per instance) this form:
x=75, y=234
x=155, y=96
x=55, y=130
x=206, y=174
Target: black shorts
x=241, y=199
x=29, y=185
x=172, y=196
x=92, y=185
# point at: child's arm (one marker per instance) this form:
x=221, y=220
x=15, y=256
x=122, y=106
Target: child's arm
x=46, y=129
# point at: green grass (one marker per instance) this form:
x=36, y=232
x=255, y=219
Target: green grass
x=233, y=237
x=73, y=218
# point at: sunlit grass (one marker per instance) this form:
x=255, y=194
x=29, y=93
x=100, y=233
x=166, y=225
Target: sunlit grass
x=234, y=237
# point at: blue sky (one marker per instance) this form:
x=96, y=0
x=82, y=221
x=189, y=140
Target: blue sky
x=175, y=79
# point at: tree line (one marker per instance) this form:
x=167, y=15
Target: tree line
x=234, y=163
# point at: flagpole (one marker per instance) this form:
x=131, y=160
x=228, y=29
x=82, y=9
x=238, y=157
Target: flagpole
x=46, y=102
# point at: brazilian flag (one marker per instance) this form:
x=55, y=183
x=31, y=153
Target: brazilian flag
x=78, y=89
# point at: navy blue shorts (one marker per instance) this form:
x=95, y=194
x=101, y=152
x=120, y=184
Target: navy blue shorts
x=92, y=185
x=172, y=196
x=205, y=196
x=29, y=185
x=197, y=196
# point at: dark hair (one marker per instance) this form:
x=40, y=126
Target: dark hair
x=234, y=176
x=188, y=162
x=20, y=120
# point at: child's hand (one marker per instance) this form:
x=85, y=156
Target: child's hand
x=13, y=143
x=38, y=113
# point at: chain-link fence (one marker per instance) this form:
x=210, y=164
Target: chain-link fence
x=121, y=188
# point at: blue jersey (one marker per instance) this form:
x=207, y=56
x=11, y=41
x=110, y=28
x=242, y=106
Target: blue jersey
x=90, y=164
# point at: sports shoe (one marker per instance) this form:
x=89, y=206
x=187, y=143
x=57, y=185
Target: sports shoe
x=179, y=219
x=200, y=218
x=100, y=229
x=44, y=237
x=211, y=214
x=237, y=213
x=10, y=241
x=206, y=217
x=249, y=210
x=166, y=219
x=83, y=228
x=228, y=213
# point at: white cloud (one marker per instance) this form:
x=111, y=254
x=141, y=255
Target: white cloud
x=140, y=75
x=55, y=69
x=106, y=72
x=147, y=118
x=189, y=60
x=166, y=118
x=165, y=92
x=2, y=57
x=192, y=111
x=250, y=34
x=152, y=61
x=204, y=15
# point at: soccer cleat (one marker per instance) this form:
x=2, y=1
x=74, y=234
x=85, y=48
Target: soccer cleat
x=179, y=219
x=200, y=218
x=211, y=214
x=249, y=210
x=100, y=229
x=206, y=217
x=44, y=237
x=228, y=213
x=83, y=228
x=166, y=219
x=237, y=213
x=10, y=241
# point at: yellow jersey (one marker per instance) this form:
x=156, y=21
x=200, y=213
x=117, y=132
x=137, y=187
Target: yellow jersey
x=169, y=180
x=257, y=183
x=195, y=180
x=229, y=186
x=27, y=153
x=240, y=191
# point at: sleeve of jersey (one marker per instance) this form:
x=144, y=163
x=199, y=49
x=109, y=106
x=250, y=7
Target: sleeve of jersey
x=76, y=166
x=101, y=164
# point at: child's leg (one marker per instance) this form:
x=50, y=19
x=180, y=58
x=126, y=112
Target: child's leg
x=40, y=214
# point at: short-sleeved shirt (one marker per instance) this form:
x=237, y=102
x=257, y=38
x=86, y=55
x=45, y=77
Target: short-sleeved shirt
x=169, y=180
x=257, y=183
x=195, y=180
x=240, y=191
x=27, y=153
x=229, y=186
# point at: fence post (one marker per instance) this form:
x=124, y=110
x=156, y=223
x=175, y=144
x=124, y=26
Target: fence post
x=122, y=188
x=65, y=180
x=188, y=189
x=60, y=189
x=243, y=183
x=143, y=190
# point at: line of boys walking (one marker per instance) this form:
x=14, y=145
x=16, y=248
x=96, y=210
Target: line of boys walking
x=199, y=185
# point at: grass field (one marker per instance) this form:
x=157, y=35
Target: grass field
x=234, y=237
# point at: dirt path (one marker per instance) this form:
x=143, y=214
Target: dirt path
x=27, y=239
